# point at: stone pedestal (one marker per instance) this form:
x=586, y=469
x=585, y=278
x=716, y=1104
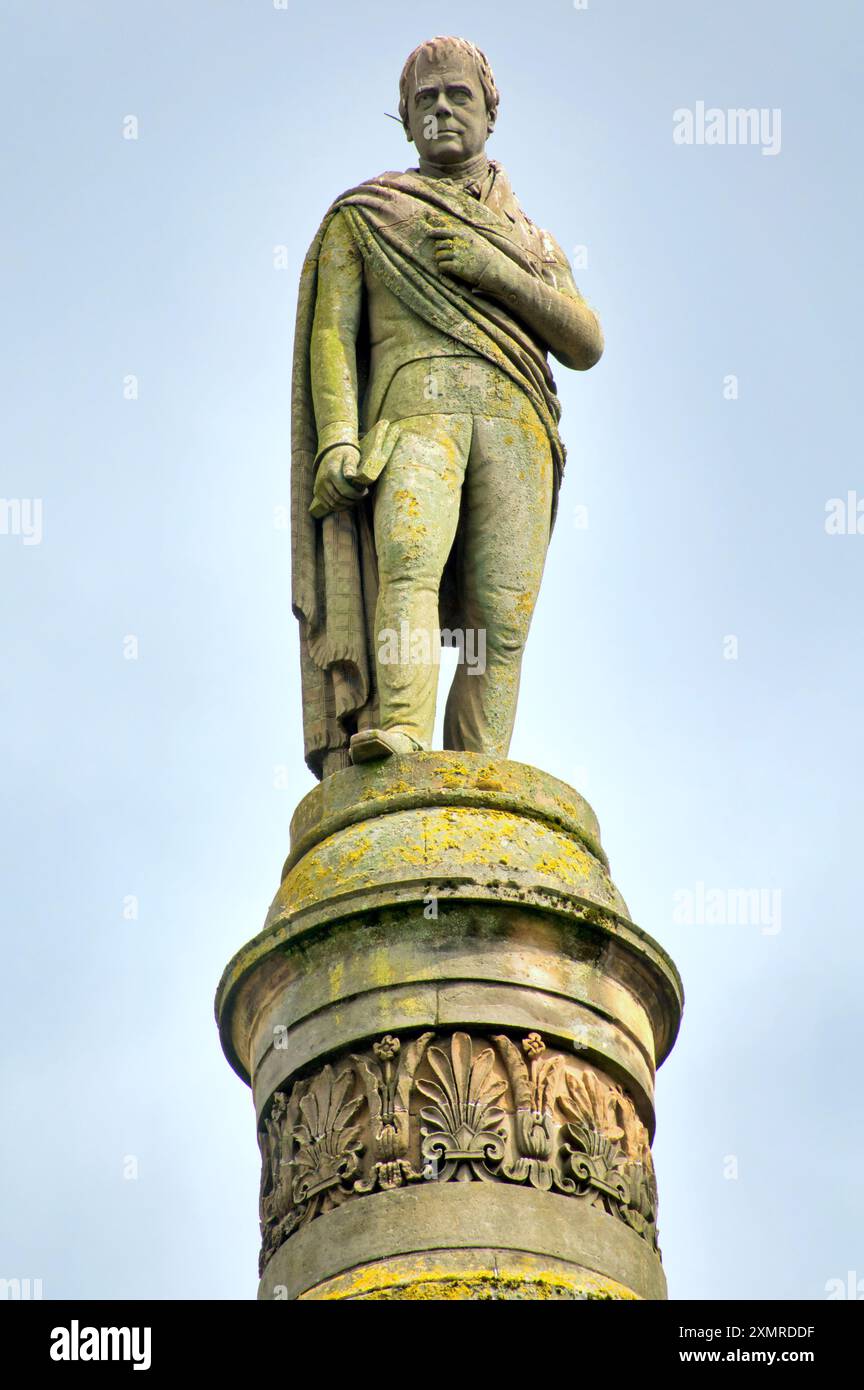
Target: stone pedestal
x=451, y=1028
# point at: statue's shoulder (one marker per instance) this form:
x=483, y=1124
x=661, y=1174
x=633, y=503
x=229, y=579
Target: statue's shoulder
x=390, y=178
x=396, y=177
x=503, y=200
x=536, y=238
x=380, y=192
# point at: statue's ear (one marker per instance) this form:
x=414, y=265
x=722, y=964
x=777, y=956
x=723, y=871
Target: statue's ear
x=490, y=121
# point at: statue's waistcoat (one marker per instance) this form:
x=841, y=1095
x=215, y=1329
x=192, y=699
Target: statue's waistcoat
x=415, y=369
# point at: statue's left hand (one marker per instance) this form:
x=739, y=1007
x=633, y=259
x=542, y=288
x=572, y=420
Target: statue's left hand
x=462, y=254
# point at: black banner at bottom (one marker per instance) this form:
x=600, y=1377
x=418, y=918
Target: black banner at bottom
x=67, y=1337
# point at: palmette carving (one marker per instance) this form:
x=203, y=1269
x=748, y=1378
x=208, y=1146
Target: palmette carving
x=463, y=1132
x=457, y=1108
x=607, y=1153
x=311, y=1151
x=279, y=1215
x=328, y=1144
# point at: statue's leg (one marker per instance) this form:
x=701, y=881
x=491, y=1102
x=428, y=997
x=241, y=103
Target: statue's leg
x=505, y=535
x=416, y=513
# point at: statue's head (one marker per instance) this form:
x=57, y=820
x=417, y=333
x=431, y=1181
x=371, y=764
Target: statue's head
x=448, y=100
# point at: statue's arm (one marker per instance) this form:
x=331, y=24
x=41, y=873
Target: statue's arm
x=552, y=307
x=548, y=303
x=333, y=347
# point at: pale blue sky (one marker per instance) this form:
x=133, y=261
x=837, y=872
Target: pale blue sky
x=706, y=518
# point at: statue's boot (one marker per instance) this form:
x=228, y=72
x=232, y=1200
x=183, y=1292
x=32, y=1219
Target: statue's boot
x=369, y=744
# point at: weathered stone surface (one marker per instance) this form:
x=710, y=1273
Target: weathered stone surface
x=465, y=1225
x=447, y=779
x=476, y=942
x=467, y=1276
x=426, y=458
x=453, y=1107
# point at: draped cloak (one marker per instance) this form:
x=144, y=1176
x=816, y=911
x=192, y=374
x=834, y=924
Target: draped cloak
x=334, y=568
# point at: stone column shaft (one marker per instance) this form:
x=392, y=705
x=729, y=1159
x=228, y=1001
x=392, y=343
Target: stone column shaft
x=451, y=1029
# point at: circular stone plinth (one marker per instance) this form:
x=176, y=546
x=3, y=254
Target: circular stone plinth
x=412, y=836
x=440, y=779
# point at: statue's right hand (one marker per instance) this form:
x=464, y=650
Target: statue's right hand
x=334, y=490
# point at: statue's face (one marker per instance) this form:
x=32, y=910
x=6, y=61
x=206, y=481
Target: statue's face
x=447, y=112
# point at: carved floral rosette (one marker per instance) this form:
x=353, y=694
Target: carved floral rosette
x=456, y=1108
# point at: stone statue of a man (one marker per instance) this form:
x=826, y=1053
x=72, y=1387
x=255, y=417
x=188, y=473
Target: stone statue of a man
x=426, y=459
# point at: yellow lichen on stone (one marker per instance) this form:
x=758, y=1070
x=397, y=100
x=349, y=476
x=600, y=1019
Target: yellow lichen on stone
x=335, y=980
x=378, y=1283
